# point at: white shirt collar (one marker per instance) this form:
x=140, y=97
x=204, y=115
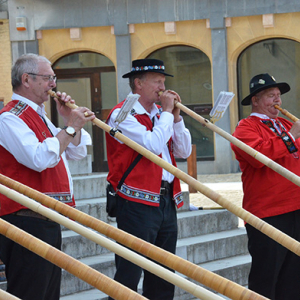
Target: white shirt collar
x=39, y=109
x=138, y=107
x=262, y=116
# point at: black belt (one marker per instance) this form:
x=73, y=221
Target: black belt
x=166, y=188
x=30, y=213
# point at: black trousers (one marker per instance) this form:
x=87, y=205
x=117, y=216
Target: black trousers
x=29, y=276
x=156, y=225
x=275, y=271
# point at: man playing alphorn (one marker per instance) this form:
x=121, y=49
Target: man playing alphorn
x=148, y=197
x=275, y=270
x=34, y=152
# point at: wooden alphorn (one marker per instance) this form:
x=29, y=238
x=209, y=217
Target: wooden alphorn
x=68, y=263
x=252, y=152
x=137, y=259
x=214, y=281
x=286, y=113
x=259, y=224
x=6, y=296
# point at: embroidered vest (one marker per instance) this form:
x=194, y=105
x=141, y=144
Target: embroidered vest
x=53, y=182
x=144, y=181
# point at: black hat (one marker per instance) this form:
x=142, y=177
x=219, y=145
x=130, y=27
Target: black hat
x=262, y=82
x=146, y=65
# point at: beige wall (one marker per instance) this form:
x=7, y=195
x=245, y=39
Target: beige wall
x=57, y=43
x=150, y=37
x=5, y=62
x=147, y=38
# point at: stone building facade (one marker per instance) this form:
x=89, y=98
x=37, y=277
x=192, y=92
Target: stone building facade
x=209, y=45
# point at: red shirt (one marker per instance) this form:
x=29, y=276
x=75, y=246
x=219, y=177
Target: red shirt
x=267, y=193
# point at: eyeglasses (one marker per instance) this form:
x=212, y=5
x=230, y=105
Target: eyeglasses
x=50, y=78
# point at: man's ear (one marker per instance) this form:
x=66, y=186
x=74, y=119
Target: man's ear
x=138, y=83
x=254, y=100
x=25, y=78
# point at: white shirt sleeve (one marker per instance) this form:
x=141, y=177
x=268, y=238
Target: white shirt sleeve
x=73, y=152
x=17, y=138
x=182, y=140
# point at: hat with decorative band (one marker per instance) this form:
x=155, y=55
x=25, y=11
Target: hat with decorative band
x=262, y=82
x=146, y=65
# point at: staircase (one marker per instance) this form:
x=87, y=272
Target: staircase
x=211, y=239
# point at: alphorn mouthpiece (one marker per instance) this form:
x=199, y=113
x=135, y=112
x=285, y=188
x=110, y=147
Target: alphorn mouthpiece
x=52, y=94
x=286, y=113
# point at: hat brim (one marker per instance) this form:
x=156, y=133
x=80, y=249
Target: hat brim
x=283, y=87
x=132, y=73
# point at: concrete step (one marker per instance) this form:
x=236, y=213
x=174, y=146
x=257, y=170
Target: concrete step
x=79, y=167
x=199, y=222
x=198, y=249
x=89, y=186
x=78, y=246
x=213, y=246
x=236, y=269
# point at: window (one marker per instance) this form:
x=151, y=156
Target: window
x=278, y=57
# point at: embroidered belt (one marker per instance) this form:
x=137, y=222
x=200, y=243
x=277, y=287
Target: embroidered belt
x=30, y=213
x=166, y=188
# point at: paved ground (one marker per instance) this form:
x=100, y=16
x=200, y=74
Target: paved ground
x=227, y=185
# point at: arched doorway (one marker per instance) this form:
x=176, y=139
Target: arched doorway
x=90, y=79
x=278, y=57
x=192, y=81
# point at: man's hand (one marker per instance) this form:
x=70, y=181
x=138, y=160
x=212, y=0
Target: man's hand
x=168, y=99
x=295, y=130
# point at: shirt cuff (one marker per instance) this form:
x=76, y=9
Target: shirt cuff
x=179, y=126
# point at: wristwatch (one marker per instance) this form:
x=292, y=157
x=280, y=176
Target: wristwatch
x=70, y=131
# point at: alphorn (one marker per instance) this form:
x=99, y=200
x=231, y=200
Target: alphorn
x=137, y=259
x=209, y=279
x=6, y=296
x=214, y=281
x=259, y=224
x=286, y=113
x=70, y=264
x=252, y=152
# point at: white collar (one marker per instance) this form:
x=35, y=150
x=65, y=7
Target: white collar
x=139, y=109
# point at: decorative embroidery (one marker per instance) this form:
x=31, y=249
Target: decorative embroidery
x=18, y=108
x=133, y=112
x=283, y=135
x=178, y=198
x=64, y=198
x=137, y=194
x=146, y=68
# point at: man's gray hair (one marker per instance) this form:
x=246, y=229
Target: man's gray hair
x=27, y=63
x=132, y=78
